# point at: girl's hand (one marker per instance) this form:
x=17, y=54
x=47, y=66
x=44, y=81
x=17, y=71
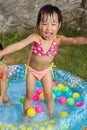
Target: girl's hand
x=1, y=100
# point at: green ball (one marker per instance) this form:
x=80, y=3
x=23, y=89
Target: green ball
x=22, y=100
x=54, y=89
x=53, y=95
x=65, y=89
x=70, y=101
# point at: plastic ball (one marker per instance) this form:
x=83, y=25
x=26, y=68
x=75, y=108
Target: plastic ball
x=39, y=108
x=62, y=100
x=39, y=90
x=50, y=127
x=65, y=89
x=63, y=114
x=41, y=96
x=60, y=86
x=79, y=99
x=70, y=101
x=39, y=84
x=53, y=83
x=69, y=93
x=2, y=126
x=79, y=104
x=11, y=127
x=31, y=112
x=54, y=89
x=75, y=95
x=53, y=95
x=30, y=128
x=22, y=99
x=35, y=98
x=58, y=93
x=1, y=74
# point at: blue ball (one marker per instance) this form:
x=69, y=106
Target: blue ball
x=58, y=93
x=79, y=99
x=69, y=93
x=38, y=83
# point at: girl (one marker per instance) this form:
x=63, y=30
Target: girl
x=3, y=82
x=44, y=48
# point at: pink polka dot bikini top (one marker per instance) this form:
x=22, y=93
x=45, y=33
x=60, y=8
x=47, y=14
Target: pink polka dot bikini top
x=38, y=50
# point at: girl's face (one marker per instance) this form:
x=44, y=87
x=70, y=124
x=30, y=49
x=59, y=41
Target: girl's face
x=49, y=26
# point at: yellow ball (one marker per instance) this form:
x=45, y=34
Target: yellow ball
x=11, y=126
x=30, y=128
x=31, y=112
x=75, y=95
x=41, y=96
x=60, y=86
x=63, y=114
x=2, y=126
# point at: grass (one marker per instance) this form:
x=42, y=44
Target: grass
x=71, y=58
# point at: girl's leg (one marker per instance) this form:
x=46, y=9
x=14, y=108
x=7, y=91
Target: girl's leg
x=4, y=85
x=30, y=84
x=47, y=86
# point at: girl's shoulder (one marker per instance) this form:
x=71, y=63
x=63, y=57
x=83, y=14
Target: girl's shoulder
x=35, y=36
x=59, y=38
x=3, y=65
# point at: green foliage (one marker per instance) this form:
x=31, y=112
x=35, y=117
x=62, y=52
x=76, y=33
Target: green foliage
x=70, y=32
x=73, y=58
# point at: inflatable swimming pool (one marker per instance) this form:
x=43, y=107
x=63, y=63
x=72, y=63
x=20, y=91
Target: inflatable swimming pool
x=70, y=103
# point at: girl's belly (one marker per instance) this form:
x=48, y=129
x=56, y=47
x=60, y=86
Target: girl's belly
x=40, y=62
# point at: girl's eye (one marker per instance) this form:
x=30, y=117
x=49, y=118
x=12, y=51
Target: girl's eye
x=53, y=24
x=44, y=23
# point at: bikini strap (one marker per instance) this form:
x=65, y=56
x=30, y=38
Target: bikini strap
x=2, y=60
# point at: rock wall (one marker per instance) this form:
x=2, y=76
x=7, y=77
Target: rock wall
x=20, y=15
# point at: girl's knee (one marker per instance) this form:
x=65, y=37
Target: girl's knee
x=49, y=98
x=29, y=96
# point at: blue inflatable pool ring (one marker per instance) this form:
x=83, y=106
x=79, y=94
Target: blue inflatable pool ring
x=70, y=102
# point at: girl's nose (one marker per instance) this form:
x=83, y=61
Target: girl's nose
x=48, y=27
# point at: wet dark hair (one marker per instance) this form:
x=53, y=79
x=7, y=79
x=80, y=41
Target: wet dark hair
x=1, y=48
x=49, y=9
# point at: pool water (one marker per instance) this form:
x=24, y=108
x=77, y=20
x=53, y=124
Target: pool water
x=13, y=115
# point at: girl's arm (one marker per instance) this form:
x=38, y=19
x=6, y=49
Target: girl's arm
x=19, y=45
x=73, y=40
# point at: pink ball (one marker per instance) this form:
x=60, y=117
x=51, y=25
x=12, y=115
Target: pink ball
x=53, y=83
x=62, y=100
x=35, y=98
x=39, y=108
x=79, y=104
x=39, y=90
